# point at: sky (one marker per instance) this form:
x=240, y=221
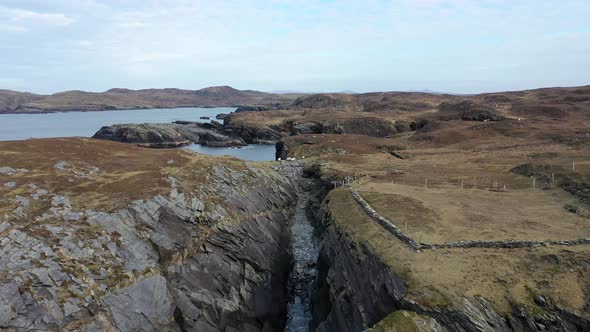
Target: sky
x=459, y=46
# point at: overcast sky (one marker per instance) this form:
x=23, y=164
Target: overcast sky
x=442, y=45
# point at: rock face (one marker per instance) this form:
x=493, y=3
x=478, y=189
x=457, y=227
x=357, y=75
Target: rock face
x=151, y=305
x=361, y=126
x=281, y=151
x=176, y=262
x=251, y=109
x=170, y=134
x=354, y=290
x=238, y=280
x=179, y=133
x=257, y=134
x=253, y=133
x=317, y=101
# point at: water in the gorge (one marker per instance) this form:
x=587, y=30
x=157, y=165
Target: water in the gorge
x=302, y=278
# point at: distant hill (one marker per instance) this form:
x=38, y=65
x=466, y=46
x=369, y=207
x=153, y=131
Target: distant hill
x=549, y=101
x=11, y=100
x=118, y=99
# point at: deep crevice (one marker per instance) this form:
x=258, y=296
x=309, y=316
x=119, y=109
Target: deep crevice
x=305, y=242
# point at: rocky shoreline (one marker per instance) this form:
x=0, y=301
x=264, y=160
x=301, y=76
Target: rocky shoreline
x=171, y=134
x=180, y=133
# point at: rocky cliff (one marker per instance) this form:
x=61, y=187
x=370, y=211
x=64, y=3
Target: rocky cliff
x=360, y=126
x=185, y=243
x=166, y=135
x=179, y=133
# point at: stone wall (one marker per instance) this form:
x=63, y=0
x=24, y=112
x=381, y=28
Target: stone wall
x=506, y=244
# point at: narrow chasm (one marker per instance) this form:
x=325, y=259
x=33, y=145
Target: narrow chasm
x=305, y=243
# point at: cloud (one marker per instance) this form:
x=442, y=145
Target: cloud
x=16, y=19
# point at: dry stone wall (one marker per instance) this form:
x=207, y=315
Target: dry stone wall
x=505, y=244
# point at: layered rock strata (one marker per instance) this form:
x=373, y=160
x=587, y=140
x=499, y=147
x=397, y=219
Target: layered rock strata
x=216, y=258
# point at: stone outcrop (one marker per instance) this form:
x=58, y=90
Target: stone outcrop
x=180, y=262
x=251, y=109
x=170, y=134
x=252, y=133
x=281, y=151
x=257, y=134
x=361, y=126
x=318, y=101
x=468, y=111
